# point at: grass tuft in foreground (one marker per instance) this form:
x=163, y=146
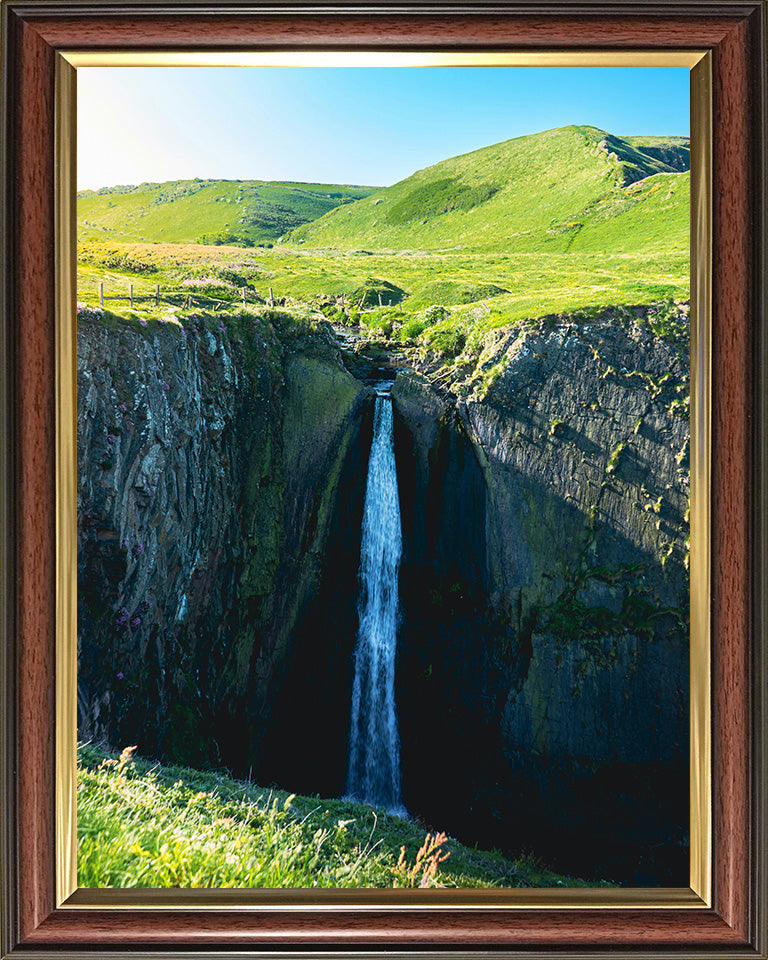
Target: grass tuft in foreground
x=143, y=824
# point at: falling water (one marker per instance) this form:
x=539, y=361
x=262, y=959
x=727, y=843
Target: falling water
x=374, y=746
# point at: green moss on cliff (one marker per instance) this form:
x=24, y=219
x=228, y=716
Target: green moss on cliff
x=577, y=615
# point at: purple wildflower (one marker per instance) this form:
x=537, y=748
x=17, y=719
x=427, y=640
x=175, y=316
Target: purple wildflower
x=123, y=617
x=89, y=313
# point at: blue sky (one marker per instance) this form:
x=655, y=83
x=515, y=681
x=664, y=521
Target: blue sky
x=366, y=125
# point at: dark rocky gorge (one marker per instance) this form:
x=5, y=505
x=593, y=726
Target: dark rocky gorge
x=542, y=678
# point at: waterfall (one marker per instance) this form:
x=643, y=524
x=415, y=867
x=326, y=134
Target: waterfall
x=374, y=745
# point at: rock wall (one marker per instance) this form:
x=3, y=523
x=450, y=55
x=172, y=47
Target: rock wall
x=208, y=458
x=542, y=681
x=547, y=691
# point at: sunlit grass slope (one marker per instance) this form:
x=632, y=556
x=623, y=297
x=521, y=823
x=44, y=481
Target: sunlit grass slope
x=571, y=188
x=186, y=211
x=143, y=824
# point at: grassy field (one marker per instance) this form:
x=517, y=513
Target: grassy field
x=479, y=292
x=143, y=824
x=573, y=188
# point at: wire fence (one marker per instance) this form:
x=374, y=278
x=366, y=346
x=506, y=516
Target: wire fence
x=183, y=298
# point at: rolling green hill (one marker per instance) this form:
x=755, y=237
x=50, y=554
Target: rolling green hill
x=244, y=212
x=568, y=219
x=571, y=188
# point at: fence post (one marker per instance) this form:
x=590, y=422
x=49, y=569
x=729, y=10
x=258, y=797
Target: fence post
x=380, y=300
x=101, y=294
x=271, y=298
x=130, y=293
x=243, y=296
x=157, y=294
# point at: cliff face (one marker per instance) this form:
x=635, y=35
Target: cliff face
x=558, y=653
x=542, y=680
x=208, y=460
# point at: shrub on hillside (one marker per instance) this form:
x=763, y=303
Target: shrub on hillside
x=224, y=239
x=435, y=314
x=438, y=197
x=117, y=260
x=448, y=341
x=412, y=330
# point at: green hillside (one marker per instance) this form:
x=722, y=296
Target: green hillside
x=571, y=188
x=245, y=212
x=551, y=223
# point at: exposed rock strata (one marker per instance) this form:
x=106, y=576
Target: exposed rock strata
x=208, y=468
x=560, y=641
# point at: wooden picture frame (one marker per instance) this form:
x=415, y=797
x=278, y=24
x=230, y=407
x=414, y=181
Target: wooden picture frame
x=34, y=923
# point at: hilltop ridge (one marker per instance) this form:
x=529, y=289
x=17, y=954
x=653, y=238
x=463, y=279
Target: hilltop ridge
x=545, y=191
x=573, y=186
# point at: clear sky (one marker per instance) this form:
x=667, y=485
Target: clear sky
x=361, y=125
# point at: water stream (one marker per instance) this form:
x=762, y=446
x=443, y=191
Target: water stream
x=373, y=775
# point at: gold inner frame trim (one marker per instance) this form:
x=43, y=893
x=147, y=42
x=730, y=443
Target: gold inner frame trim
x=700, y=445
x=65, y=133
x=360, y=58
x=698, y=894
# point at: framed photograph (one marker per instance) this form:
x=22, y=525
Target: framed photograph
x=465, y=396
x=377, y=486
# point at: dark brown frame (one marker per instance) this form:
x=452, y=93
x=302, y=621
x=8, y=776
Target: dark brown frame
x=735, y=33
